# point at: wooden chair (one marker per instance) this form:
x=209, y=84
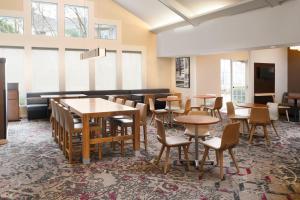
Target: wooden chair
x=129, y=103
x=229, y=140
x=259, y=116
x=175, y=105
x=111, y=98
x=168, y=142
x=61, y=128
x=52, y=118
x=236, y=118
x=203, y=131
x=156, y=113
x=216, y=107
x=120, y=101
x=274, y=114
x=125, y=123
x=186, y=110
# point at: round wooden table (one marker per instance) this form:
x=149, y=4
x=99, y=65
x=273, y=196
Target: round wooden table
x=204, y=97
x=250, y=105
x=169, y=100
x=196, y=120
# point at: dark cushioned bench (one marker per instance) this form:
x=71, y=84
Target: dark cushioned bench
x=37, y=108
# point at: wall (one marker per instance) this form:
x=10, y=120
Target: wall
x=293, y=71
x=277, y=56
x=256, y=29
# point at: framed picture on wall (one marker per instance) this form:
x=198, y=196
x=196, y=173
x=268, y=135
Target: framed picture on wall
x=183, y=72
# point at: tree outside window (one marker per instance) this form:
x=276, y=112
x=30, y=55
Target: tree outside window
x=76, y=21
x=11, y=25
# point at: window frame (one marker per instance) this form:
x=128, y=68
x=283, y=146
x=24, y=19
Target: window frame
x=15, y=17
x=98, y=37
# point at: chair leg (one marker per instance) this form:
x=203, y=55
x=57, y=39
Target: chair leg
x=152, y=118
x=70, y=148
x=186, y=156
x=100, y=151
x=217, y=157
x=247, y=125
x=122, y=141
x=145, y=136
x=204, y=157
x=220, y=114
x=272, y=123
x=234, y=160
x=287, y=115
x=221, y=164
x=160, y=154
x=253, y=127
x=179, y=152
x=167, y=160
x=266, y=135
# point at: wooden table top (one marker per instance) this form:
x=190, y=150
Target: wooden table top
x=55, y=96
x=196, y=119
x=95, y=105
x=205, y=96
x=168, y=99
x=250, y=105
x=293, y=96
x=264, y=94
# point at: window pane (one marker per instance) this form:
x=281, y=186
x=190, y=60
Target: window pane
x=15, y=69
x=44, y=18
x=132, y=70
x=45, y=70
x=106, y=32
x=76, y=21
x=11, y=25
x=77, y=71
x=106, y=72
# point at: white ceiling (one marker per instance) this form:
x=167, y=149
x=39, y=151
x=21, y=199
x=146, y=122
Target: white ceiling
x=162, y=15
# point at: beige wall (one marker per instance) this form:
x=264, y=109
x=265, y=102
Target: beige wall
x=11, y=5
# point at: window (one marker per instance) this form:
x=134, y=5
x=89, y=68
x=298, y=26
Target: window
x=106, y=72
x=131, y=70
x=76, y=71
x=106, y=32
x=44, y=18
x=76, y=21
x=11, y=25
x=15, y=69
x=45, y=75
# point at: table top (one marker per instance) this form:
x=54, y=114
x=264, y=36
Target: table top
x=53, y=96
x=250, y=105
x=168, y=99
x=264, y=94
x=205, y=96
x=196, y=119
x=293, y=96
x=95, y=106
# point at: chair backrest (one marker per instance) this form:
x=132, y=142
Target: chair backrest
x=51, y=104
x=151, y=104
x=143, y=111
x=111, y=98
x=259, y=115
x=231, y=135
x=61, y=115
x=230, y=109
x=179, y=95
x=187, y=107
x=273, y=111
x=161, y=133
x=55, y=111
x=129, y=103
x=174, y=104
x=120, y=101
x=69, y=123
x=218, y=103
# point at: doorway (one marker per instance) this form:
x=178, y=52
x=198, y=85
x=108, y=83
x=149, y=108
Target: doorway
x=233, y=80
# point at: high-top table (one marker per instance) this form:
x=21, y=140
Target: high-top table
x=196, y=120
x=88, y=108
x=169, y=101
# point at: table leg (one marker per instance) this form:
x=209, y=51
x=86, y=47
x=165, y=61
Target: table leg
x=204, y=102
x=85, y=140
x=196, y=147
x=170, y=114
x=136, y=130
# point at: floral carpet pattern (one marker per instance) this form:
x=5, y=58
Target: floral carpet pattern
x=33, y=167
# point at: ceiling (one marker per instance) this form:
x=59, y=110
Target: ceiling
x=162, y=15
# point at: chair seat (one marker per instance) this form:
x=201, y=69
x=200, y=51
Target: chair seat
x=173, y=108
x=160, y=111
x=179, y=111
x=214, y=142
x=238, y=117
x=93, y=126
x=176, y=141
x=200, y=134
x=209, y=107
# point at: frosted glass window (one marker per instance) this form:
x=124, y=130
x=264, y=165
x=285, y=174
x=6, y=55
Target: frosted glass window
x=106, y=32
x=76, y=21
x=45, y=74
x=76, y=71
x=131, y=70
x=44, y=18
x=106, y=72
x=11, y=24
x=14, y=69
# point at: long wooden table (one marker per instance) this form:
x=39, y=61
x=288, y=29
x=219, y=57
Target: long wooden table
x=88, y=108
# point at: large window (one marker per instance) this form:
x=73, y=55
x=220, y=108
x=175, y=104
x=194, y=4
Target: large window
x=106, y=32
x=106, y=72
x=76, y=21
x=45, y=74
x=131, y=70
x=77, y=71
x=44, y=18
x=15, y=69
x=11, y=25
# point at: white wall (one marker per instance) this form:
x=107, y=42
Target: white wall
x=256, y=29
x=280, y=58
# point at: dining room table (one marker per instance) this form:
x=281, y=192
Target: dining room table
x=88, y=108
x=196, y=121
x=169, y=101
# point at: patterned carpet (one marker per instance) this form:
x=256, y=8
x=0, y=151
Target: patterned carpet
x=33, y=167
